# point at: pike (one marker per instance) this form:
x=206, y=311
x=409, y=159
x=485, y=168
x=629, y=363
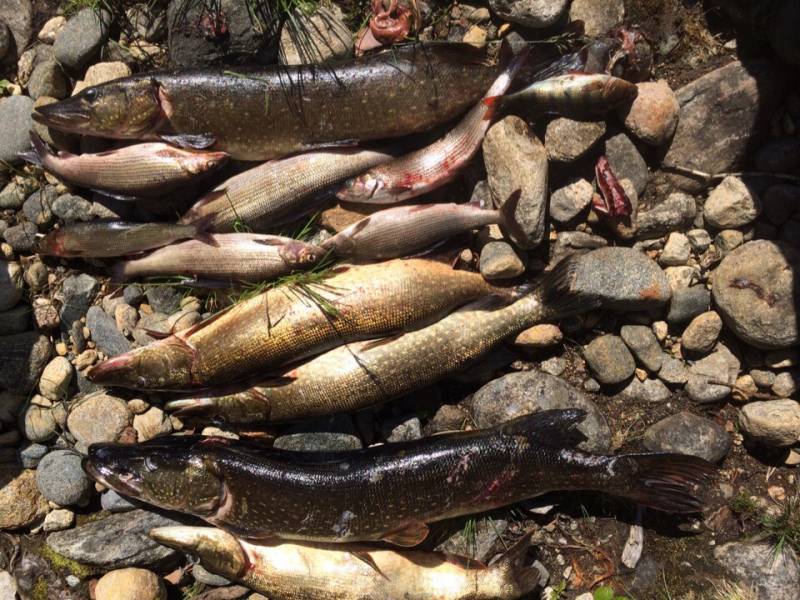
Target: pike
x=231, y=257
x=389, y=492
x=354, y=572
x=291, y=322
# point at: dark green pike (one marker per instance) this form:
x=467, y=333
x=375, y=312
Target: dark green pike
x=388, y=492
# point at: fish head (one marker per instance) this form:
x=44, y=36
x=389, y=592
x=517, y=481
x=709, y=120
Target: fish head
x=200, y=162
x=361, y=189
x=175, y=473
x=299, y=255
x=217, y=550
x=165, y=364
x=128, y=108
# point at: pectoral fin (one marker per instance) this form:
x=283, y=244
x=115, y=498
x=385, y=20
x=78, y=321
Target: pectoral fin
x=410, y=534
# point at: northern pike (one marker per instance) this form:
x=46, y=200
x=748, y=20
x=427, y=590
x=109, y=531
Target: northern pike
x=290, y=322
x=230, y=257
x=388, y=492
x=100, y=239
x=265, y=113
x=140, y=170
x=280, y=191
x=305, y=572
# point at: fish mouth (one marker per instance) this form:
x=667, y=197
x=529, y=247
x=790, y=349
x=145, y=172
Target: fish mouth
x=67, y=114
x=188, y=407
x=115, y=370
x=96, y=466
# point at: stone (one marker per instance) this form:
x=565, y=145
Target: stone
x=315, y=38
x=116, y=541
x=566, y=140
x=722, y=115
x=114, y=503
x=571, y=242
x=10, y=284
x=7, y=45
x=38, y=206
x=105, y=333
x=757, y=565
x=778, y=155
x=21, y=503
x=319, y=441
x=30, y=455
x=649, y=390
x=516, y=160
x=728, y=239
x=527, y=392
x=57, y=520
x=711, y=377
x=22, y=237
x=15, y=123
x=539, y=336
x=126, y=318
x=152, y=423
x=699, y=239
x=644, y=345
x=78, y=291
x=676, y=251
x=130, y=584
x=36, y=275
x=37, y=421
x=98, y=418
x=149, y=22
x=702, y=333
x=199, y=573
x=18, y=16
x=499, y=261
x=55, y=379
x=536, y=14
x=555, y=365
x=402, y=429
x=13, y=195
x=680, y=277
x=609, y=359
x=676, y=212
x=653, y=115
x=569, y=201
x=60, y=479
x=687, y=303
x=598, y=17
x=70, y=208
x=133, y=294
x=754, y=288
x=448, y=418
x=483, y=543
x=48, y=79
x=51, y=29
x=771, y=422
x=627, y=162
x=686, y=433
x=624, y=279
x=24, y=357
x=762, y=378
x=163, y=298
x=102, y=72
x=785, y=384
x=782, y=359
x=731, y=204
x=81, y=39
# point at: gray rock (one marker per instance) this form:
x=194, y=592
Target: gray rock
x=24, y=356
x=773, y=422
x=98, y=418
x=37, y=422
x=164, y=299
x=623, y=278
x=676, y=212
x=756, y=565
x=762, y=378
x=649, y=390
x=673, y=371
x=530, y=13
x=15, y=123
x=702, y=333
x=527, y=392
x=731, y=204
x=105, y=333
x=61, y=479
x=727, y=240
x=48, y=80
x=318, y=441
x=569, y=201
x=7, y=45
x=686, y=433
x=700, y=240
x=70, y=208
x=499, y=261
x=150, y=22
x=22, y=237
x=316, y=38
x=116, y=541
x=554, y=365
x=38, y=206
x=133, y=294
x=199, y=573
x=481, y=544
x=55, y=379
x=755, y=288
x=645, y=347
x=785, y=384
x=516, y=160
x=609, y=359
x=598, y=17
x=627, y=162
x=448, y=418
x=81, y=39
x=78, y=291
x=687, y=303
x=402, y=429
x=779, y=155
x=30, y=454
x=114, y=503
x=676, y=251
x=722, y=115
x=570, y=242
x=566, y=140
x=13, y=195
x=18, y=16
x=10, y=284
x=711, y=378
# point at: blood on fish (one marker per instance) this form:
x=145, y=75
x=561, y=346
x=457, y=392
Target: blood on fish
x=613, y=202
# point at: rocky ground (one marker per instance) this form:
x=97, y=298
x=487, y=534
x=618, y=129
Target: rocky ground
x=697, y=352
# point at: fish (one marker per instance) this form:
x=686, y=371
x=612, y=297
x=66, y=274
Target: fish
x=267, y=113
x=280, y=191
x=99, y=239
x=289, y=322
x=431, y=167
x=234, y=257
x=365, y=374
x=405, y=230
x=353, y=572
x=140, y=170
x=390, y=492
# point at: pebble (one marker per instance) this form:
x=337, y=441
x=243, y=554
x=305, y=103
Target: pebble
x=653, y=116
x=22, y=237
x=448, y=418
x=163, y=298
x=105, y=333
x=24, y=356
x=731, y=204
x=498, y=260
x=15, y=320
x=569, y=201
x=114, y=503
x=318, y=441
x=37, y=421
x=660, y=330
x=566, y=140
x=676, y=212
x=699, y=239
x=539, y=336
x=758, y=566
x=30, y=455
x=98, y=418
x=315, y=38
x=762, y=378
x=59, y=519
x=152, y=423
x=102, y=72
x=673, y=371
x=133, y=294
x=687, y=303
x=627, y=162
x=649, y=390
x=51, y=28
x=60, y=479
x=78, y=291
x=482, y=543
x=70, y=208
x=130, y=584
x=555, y=365
x=785, y=384
x=402, y=429
x=183, y=319
x=48, y=79
x=598, y=17
x=126, y=318
x=21, y=503
x=15, y=123
x=199, y=573
x=81, y=38
x=10, y=284
x=704, y=375
x=702, y=333
x=728, y=239
x=36, y=275
x=644, y=345
x=609, y=359
x=686, y=433
x=150, y=22
x=38, y=206
x=676, y=251
x=782, y=359
x=571, y=242
x=536, y=14
x=13, y=195
x=55, y=379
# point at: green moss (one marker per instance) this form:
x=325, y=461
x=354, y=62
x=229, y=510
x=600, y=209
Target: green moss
x=40, y=590
x=62, y=563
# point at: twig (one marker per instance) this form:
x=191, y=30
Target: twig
x=709, y=177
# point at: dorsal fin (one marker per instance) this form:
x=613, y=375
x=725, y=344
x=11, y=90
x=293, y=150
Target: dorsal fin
x=556, y=428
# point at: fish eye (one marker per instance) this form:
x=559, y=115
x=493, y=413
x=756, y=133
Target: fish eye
x=150, y=463
x=90, y=94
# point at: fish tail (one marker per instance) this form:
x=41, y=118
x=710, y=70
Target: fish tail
x=558, y=294
x=508, y=216
x=201, y=230
x=39, y=152
x=509, y=575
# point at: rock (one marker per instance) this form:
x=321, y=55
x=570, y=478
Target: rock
x=149, y=21
x=570, y=242
x=36, y=276
x=722, y=113
x=24, y=355
x=164, y=298
x=448, y=418
x=539, y=336
x=21, y=504
x=653, y=116
x=778, y=155
x=481, y=544
x=133, y=294
x=81, y=38
x=731, y=204
x=686, y=433
x=31, y=454
x=708, y=376
x=785, y=384
x=316, y=38
x=701, y=334
x=130, y=584
x=649, y=390
x=37, y=421
x=98, y=418
x=126, y=318
x=782, y=359
x=566, y=140
x=105, y=333
x=569, y=201
x=676, y=251
x=623, y=278
x=699, y=239
x=101, y=73
x=627, y=162
x=530, y=13
x=22, y=237
x=70, y=208
x=15, y=123
x=727, y=240
x=757, y=565
x=199, y=573
x=51, y=29
x=116, y=541
x=762, y=378
x=680, y=277
x=114, y=503
x=687, y=303
x=60, y=479
x=598, y=17
x=152, y=423
x=38, y=206
x=10, y=284
x=754, y=288
x=527, y=392
x=58, y=519
x=516, y=160
x=499, y=261
x=13, y=195
x=7, y=46
x=773, y=422
x=55, y=379
x=48, y=79
x=609, y=359
x=644, y=345
x=676, y=212
x=320, y=441
x=78, y=291
x=18, y=16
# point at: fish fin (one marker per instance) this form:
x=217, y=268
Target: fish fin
x=199, y=141
x=39, y=150
x=410, y=534
x=155, y=334
x=201, y=233
x=508, y=218
x=556, y=428
x=522, y=578
x=667, y=482
x=208, y=198
x=346, y=143
x=114, y=195
x=364, y=557
x=367, y=346
x=558, y=293
x=357, y=227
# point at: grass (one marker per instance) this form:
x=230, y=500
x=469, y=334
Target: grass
x=727, y=590
x=784, y=528
x=192, y=591
x=743, y=504
x=558, y=591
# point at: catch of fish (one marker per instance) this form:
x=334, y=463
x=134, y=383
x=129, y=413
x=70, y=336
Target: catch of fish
x=338, y=323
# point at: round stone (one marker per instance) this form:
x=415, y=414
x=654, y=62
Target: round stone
x=98, y=418
x=774, y=422
x=60, y=478
x=687, y=433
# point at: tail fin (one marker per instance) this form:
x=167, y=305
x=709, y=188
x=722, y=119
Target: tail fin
x=201, y=230
x=510, y=574
x=558, y=291
x=39, y=151
x=508, y=216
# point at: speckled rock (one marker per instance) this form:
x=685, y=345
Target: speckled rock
x=710, y=378
x=687, y=433
x=702, y=333
x=97, y=418
x=318, y=441
x=130, y=584
x=569, y=201
x=627, y=162
x=731, y=204
x=105, y=333
x=499, y=261
x=55, y=379
x=566, y=140
x=15, y=123
x=317, y=38
x=756, y=565
x=598, y=16
x=687, y=303
x=21, y=503
x=152, y=423
x=61, y=479
x=81, y=38
x=79, y=291
x=644, y=345
x=539, y=336
x=609, y=359
x=653, y=115
x=676, y=212
x=772, y=422
x=530, y=13
x=48, y=79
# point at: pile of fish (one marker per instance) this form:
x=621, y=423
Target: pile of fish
x=383, y=324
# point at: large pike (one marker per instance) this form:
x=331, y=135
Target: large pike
x=289, y=322
x=306, y=572
x=388, y=492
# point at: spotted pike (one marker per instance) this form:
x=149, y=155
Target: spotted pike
x=289, y=322
x=280, y=191
x=388, y=492
x=305, y=572
x=229, y=257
